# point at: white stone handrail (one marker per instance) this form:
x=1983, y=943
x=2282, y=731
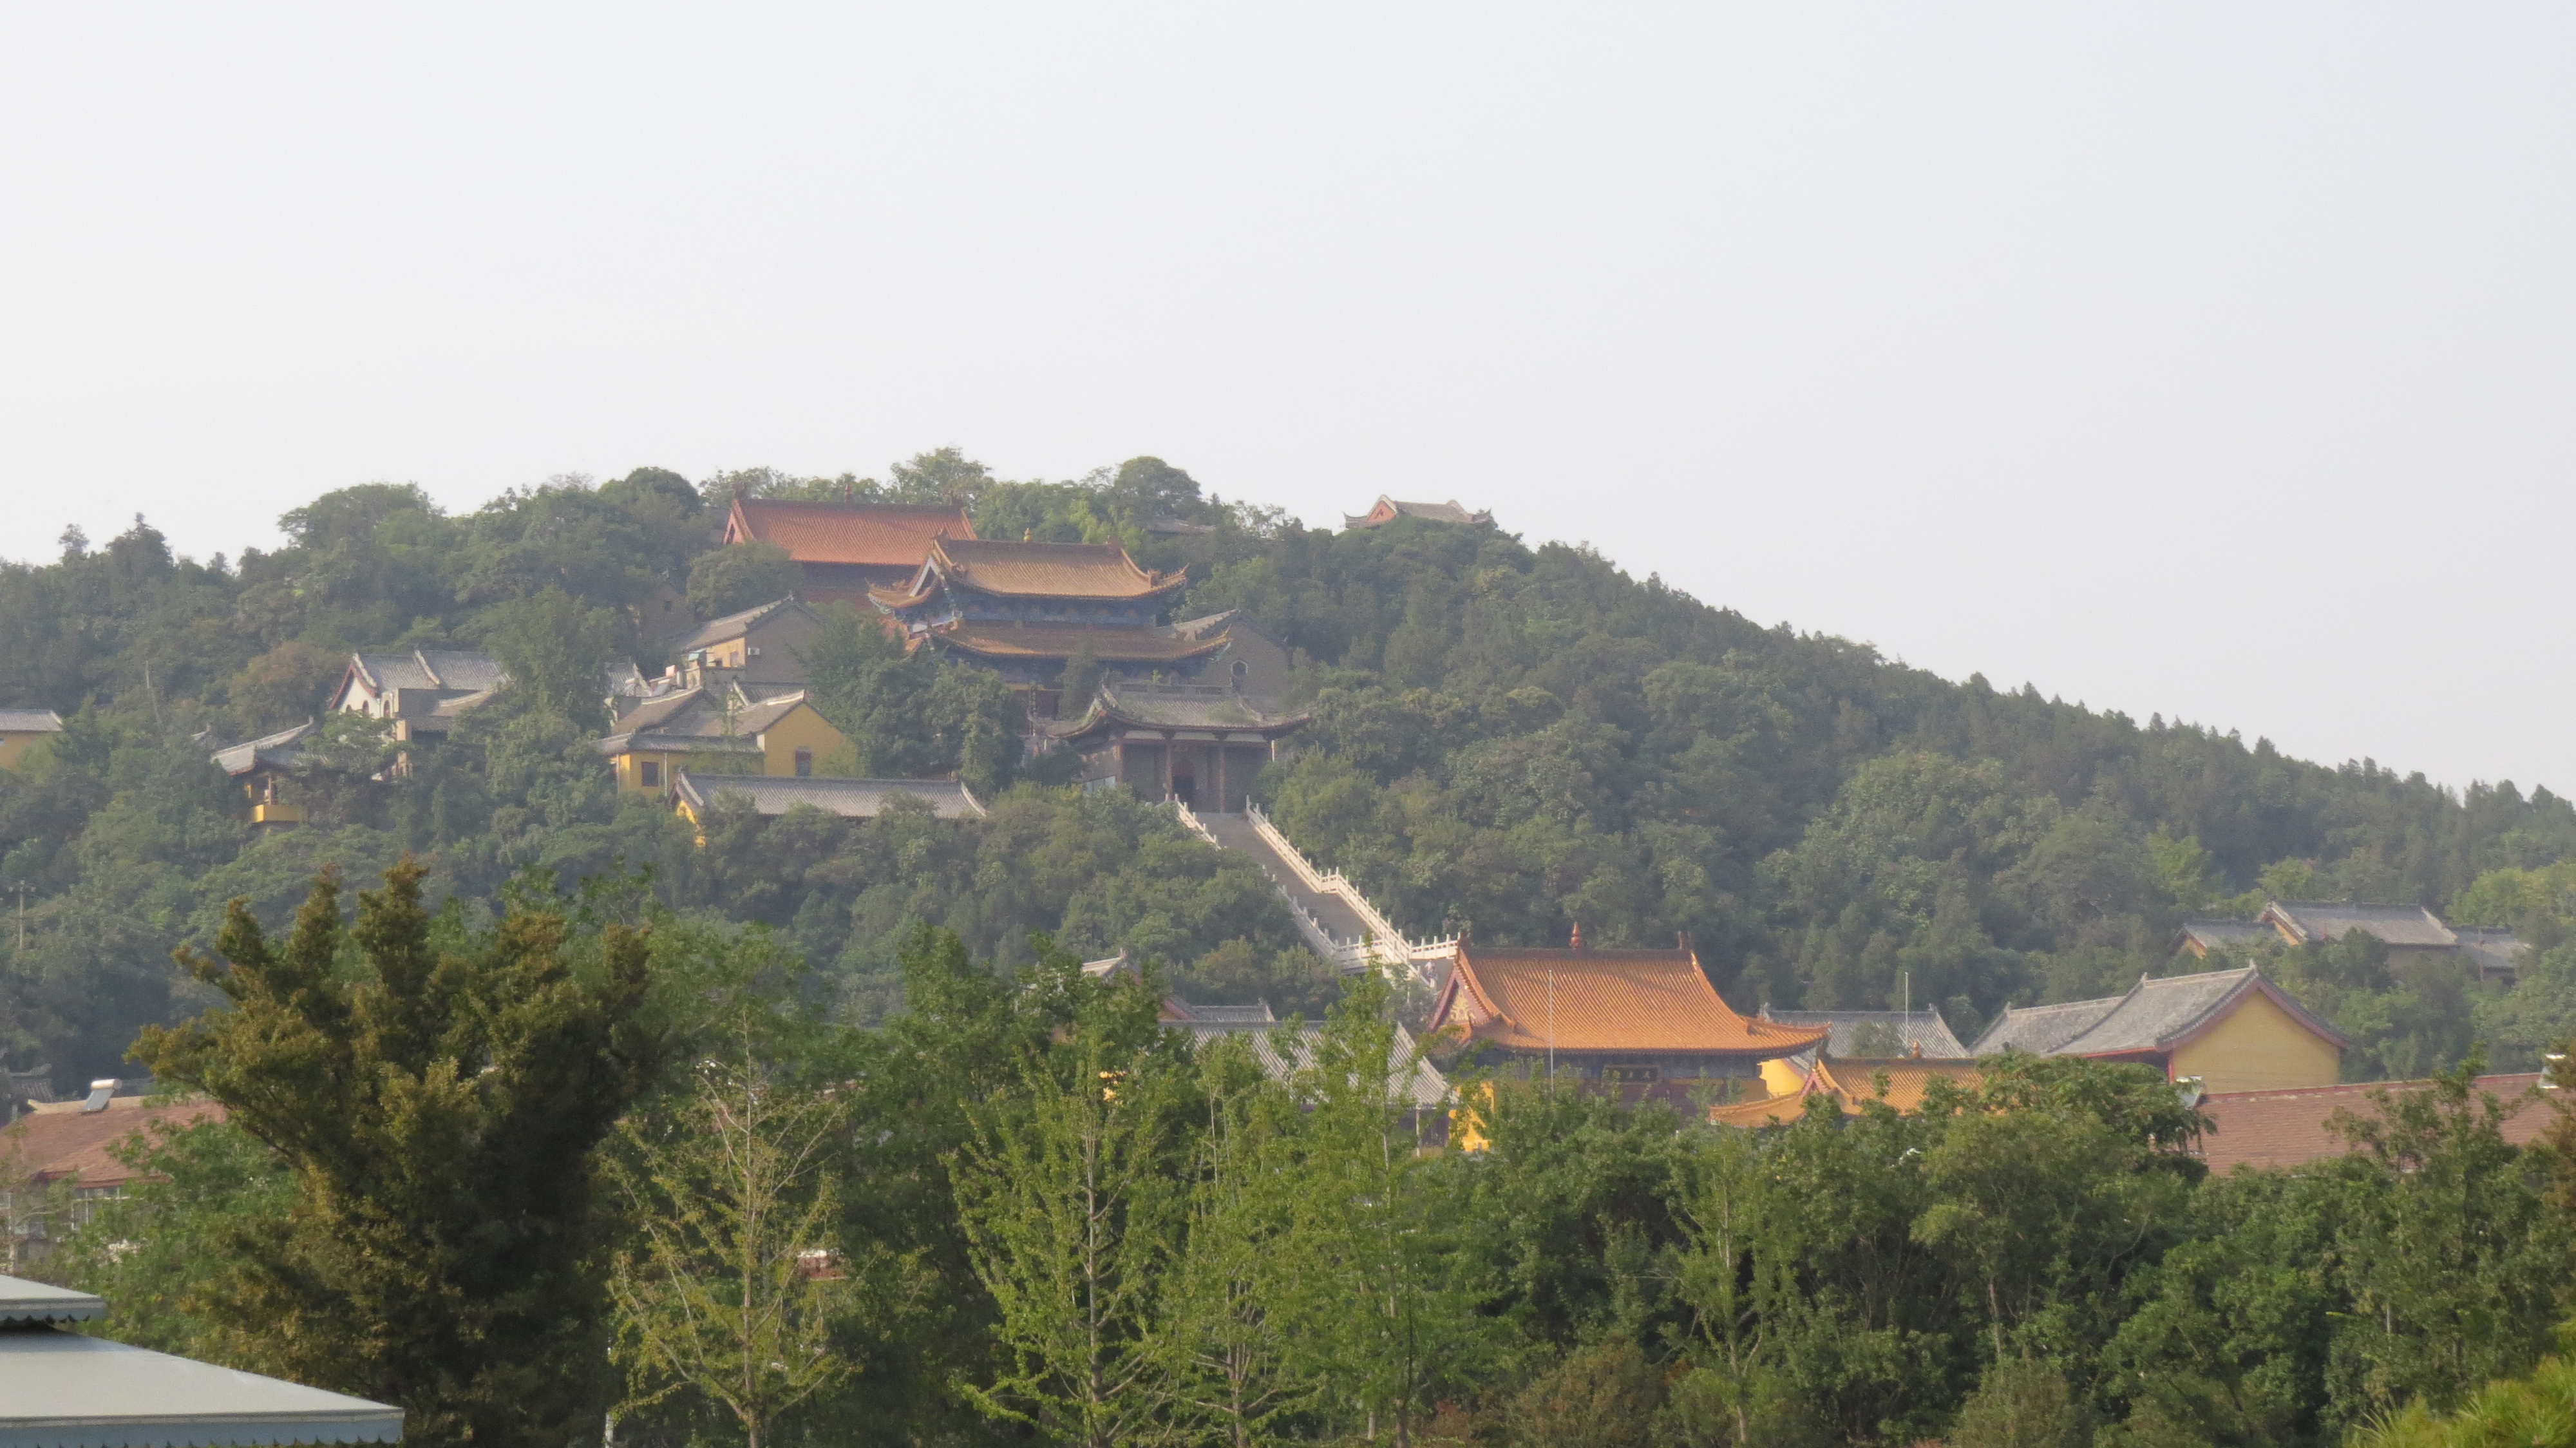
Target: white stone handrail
x=1388, y=940
x=1195, y=825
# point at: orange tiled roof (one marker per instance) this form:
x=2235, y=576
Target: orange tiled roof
x=880, y=534
x=1848, y=1082
x=1033, y=570
x=53, y=1145
x=1108, y=645
x=1603, y=1000
x=2286, y=1128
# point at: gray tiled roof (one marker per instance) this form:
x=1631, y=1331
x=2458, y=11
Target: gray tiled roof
x=2152, y=1015
x=2155, y=1011
x=1174, y=706
x=456, y=669
x=2041, y=1030
x=858, y=799
x=734, y=625
x=2400, y=925
x=2211, y=934
x=30, y=721
x=1923, y=1028
x=2490, y=947
x=272, y=750
x=694, y=720
x=1284, y=1052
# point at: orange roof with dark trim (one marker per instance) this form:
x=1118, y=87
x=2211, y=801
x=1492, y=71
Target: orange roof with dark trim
x=882, y=535
x=1848, y=1082
x=1602, y=1000
x=1108, y=645
x=1030, y=570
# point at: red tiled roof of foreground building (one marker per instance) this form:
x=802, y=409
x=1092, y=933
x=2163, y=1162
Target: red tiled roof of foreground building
x=2288, y=1128
x=62, y=1143
x=884, y=535
x=1602, y=1000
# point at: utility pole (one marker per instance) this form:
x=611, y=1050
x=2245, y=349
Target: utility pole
x=22, y=917
x=1551, y=1032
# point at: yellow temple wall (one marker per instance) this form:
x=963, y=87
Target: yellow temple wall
x=2260, y=1047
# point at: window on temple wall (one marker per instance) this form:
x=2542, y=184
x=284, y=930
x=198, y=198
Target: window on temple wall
x=649, y=773
x=804, y=764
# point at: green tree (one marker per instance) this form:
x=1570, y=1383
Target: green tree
x=438, y=1109
x=198, y=1190
x=555, y=649
x=1739, y=1283
x=2450, y=1262
x=1232, y=1355
x=741, y=575
x=731, y=1287
x=1069, y=1194
x=1081, y=682
x=1380, y=1312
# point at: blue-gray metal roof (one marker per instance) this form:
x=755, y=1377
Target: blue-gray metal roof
x=62, y=1390
x=22, y=1301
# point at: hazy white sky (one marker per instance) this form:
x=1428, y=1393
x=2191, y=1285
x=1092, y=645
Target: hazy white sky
x=2211, y=360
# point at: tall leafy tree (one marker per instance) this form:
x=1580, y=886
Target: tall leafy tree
x=731, y=1287
x=1070, y=1196
x=437, y=1098
x=1382, y=1314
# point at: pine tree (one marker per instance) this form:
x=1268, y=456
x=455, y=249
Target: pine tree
x=438, y=1099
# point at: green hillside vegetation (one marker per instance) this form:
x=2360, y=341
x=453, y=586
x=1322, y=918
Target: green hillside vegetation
x=967, y=1194
x=1513, y=737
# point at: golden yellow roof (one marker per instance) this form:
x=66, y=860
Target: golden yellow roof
x=1849, y=1082
x=1031, y=570
x=1602, y=1000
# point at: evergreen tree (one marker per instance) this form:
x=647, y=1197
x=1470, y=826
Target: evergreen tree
x=438, y=1099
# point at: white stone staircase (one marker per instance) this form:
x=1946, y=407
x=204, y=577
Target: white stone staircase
x=1337, y=921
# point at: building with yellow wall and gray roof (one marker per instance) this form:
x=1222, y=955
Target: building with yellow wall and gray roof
x=721, y=733
x=22, y=730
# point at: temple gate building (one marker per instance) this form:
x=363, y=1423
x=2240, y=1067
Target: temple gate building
x=1201, y=744
x=1640, y=1023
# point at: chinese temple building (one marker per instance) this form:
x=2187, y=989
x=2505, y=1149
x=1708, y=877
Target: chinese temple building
x=2232, y=1030
x=1026, y=610
x=1202, y=744
x=845, y=549
x=1642, y=1023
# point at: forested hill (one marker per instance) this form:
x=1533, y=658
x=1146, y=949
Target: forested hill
x=1511, y=736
